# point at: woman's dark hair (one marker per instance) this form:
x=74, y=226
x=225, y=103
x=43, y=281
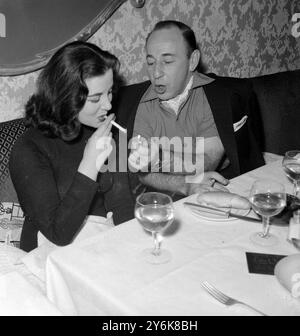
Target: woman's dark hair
x=61, y=89
x=187, y=33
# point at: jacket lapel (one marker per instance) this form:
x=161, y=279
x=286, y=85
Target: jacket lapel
x=130, y=98
x=219, y=101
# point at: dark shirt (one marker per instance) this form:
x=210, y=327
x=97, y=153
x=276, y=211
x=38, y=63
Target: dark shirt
x=54, y=196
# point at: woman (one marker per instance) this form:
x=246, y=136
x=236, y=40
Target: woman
x=55, y=165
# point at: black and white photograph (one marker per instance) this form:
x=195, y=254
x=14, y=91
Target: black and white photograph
x=149, y=161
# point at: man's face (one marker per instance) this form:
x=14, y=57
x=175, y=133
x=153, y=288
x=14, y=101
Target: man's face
x=167, y=62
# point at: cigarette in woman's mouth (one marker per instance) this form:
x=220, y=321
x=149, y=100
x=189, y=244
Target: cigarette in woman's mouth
x=117, y=125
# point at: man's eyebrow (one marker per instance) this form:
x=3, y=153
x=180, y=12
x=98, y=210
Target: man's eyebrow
x=168, y=54
x=164, y=55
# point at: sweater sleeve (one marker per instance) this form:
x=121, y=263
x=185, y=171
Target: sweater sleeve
x=33, y=177
x=119, y=198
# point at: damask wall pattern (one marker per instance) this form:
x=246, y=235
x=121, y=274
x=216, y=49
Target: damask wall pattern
x=242, y=38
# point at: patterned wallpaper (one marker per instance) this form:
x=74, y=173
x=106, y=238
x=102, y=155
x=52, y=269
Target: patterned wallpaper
x=237, y=38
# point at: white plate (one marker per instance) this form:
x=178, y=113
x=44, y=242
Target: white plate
x=213, y=217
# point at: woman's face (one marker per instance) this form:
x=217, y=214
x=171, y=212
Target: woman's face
x=98, y=101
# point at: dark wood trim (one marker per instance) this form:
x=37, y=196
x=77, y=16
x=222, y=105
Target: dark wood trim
x=40, y=59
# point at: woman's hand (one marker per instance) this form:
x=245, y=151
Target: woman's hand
x=97, y=150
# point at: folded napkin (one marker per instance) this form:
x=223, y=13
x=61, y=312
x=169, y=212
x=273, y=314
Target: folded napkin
x=36, y=259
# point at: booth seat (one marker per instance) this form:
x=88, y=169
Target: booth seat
x=11, y=215
x=278, y=97
x=276, y=124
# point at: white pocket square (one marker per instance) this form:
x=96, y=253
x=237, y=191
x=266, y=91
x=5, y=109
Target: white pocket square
x=239, y=124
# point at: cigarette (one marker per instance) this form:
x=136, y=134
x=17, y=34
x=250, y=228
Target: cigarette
x=118, y=126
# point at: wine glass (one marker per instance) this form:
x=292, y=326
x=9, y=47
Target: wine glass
x=291, y=166
x=155, y=212
x=268, y=198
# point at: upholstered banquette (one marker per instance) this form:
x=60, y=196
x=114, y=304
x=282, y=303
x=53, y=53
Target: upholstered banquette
x=278, y=97
x=9, y=133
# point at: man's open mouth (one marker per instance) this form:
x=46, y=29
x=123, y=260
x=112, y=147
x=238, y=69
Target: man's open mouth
x=160, y=88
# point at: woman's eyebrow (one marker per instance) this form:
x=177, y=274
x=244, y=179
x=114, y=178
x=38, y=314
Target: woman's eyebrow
x=95, y=94
x=99, y=93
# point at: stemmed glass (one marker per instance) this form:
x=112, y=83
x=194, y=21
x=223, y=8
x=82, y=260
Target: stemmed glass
x=155, y=212
x=268, y=198
x=291, y=166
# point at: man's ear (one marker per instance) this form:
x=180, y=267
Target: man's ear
x=194, y=59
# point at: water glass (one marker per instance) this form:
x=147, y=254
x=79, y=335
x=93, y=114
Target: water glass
x=268, y=198
x=155, y=212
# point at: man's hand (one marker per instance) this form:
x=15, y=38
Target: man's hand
x=209, y=181
x=143, y=154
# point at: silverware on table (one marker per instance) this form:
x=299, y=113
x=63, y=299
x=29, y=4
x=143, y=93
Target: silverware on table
x=220, y=212
x=225, y=299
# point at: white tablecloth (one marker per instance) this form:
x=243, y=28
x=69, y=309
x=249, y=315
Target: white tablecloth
x=105, y=275
x=21, y=293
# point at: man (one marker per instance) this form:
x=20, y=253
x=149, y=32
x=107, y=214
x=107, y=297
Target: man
x=180, y=102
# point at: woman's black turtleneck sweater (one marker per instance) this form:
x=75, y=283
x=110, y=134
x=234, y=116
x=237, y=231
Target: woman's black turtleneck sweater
x=54, y=196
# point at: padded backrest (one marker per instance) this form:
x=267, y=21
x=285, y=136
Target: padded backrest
x=278, y=107
x=9, y=133
x=278, y=97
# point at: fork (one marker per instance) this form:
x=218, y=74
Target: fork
x=225, y=299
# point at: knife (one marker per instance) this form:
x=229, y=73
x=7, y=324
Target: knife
x=220, y=212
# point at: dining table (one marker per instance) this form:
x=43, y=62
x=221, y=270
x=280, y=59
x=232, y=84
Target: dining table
x=105, y=275
x=21, y=293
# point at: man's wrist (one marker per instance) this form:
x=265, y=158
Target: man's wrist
x=183, y=188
